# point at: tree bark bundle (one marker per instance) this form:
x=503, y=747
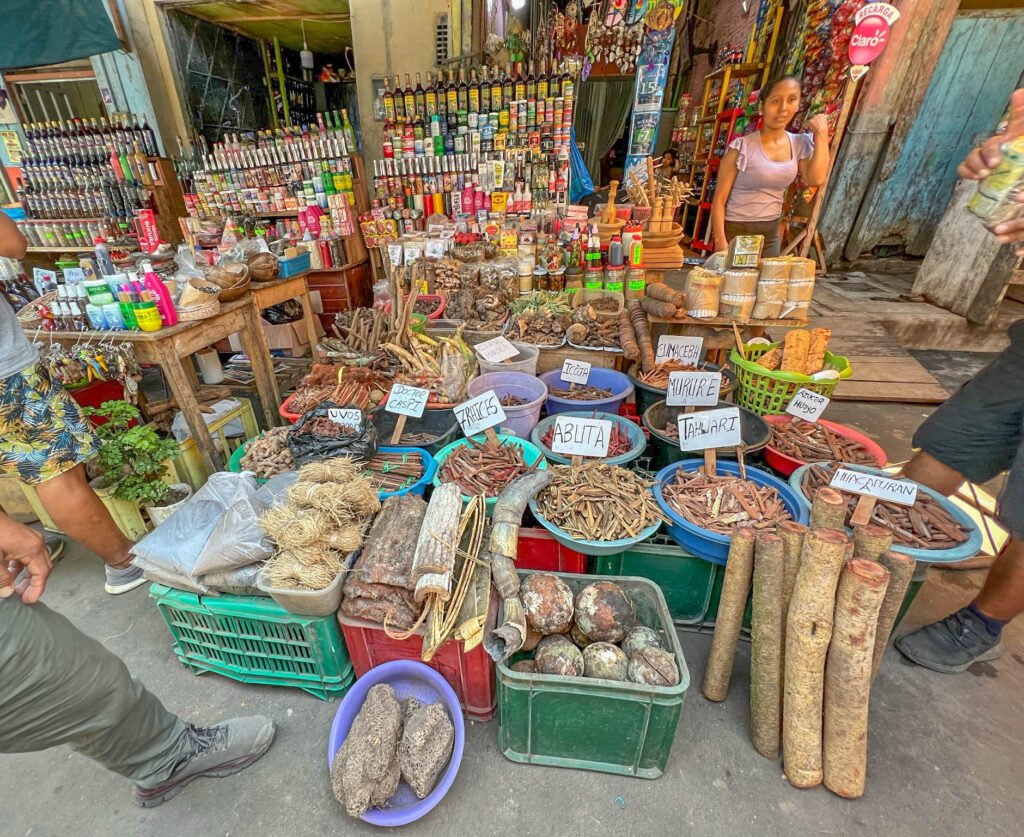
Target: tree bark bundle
x=828, y=509
x=901, y=571
x=732, y=604
x=871, y=541
x=434, y=559
x=862, y=587
x=808, y=631
x=766, y=646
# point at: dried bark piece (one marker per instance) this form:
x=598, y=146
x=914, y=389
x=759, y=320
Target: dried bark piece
x=733, y=602
x=828, y=509
x=808, y=631
x=901, y=571
x=387, y=555
x=871, y=541
x=766, y=646
x=848, y=676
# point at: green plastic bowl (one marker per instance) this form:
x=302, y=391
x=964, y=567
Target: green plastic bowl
x=531, y=454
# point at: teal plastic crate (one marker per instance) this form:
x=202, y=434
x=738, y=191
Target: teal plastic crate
x=253, y=639
x=591, y=724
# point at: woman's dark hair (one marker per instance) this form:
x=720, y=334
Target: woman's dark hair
x=772, y=83
x=671, y=153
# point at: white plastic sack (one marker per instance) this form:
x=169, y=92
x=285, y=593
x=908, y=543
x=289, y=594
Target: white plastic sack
x=240, y=581
x=237, y=540
x=181, y=432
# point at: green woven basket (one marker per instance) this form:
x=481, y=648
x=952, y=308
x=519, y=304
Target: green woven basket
x=768, y=393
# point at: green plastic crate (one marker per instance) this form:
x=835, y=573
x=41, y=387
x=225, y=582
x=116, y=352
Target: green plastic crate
x=592, y=724
x=253, y=639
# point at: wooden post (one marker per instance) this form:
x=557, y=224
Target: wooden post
x=710, y=463
x=399, y=430
x=576, y=461
x=492, y=436
x=865, y=508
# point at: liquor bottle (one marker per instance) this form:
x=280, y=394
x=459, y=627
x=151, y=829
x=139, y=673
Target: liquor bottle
x=463, y=91
x=485, y=91
x=149, y=139
x=115, y=164
x=451, y=95
x=420, y=97
x=554, y=82
x=409, y=98
x=531, y=83
x=389, y=102
x=399, y=102
x=141, y=166
x=568, y=87
x=430, y=98
x=347, y=131
x=473, y=94
x=519, y=82
x=543, y=87
x=495, y=90
x=507, y=87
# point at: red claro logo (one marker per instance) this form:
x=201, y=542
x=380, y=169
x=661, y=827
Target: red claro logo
x=868, y=39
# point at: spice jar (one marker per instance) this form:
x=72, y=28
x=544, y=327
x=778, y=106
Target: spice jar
x=525, y=280
x=573, y=278
x=594, y=279
x=613, y=278
x=540, y=278
x=556, y=279
x=636, y=281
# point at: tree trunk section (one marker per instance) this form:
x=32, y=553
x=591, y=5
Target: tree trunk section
x=901, y=571
x=733, y=602
x=828, y=509
x=766, y=646
x=871, y=541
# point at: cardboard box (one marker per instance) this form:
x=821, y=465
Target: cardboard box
x=290, y=338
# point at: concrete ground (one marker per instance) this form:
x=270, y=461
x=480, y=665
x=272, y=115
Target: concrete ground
x=944, y=751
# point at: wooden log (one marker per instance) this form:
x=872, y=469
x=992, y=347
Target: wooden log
x=439, y=535
x=828, y=509
x=871, y=541
x=848, y=676
x=808, y=631
x=792, y=534
x=732, y=604
x=901, y=571
x=766, y=646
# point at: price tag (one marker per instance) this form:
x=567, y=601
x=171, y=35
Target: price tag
x=496, y=350
x=693, y=389
x=348, y=416
x=807, y=405
x=480, y=413
x=407, y=401
x=710, y=429
x=74, y=275
x=581, y=436
x=44, y=280
x=684, y=349
x=575, y=371
x=903, y=492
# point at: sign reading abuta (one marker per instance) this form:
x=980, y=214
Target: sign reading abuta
x=871, y=33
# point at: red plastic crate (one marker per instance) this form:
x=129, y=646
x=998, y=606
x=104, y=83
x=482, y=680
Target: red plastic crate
x=470, y=674
x=538, y=550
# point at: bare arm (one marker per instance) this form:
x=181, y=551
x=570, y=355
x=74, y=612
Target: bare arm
x=12, y=243
x=814, y=170
x=727, y=172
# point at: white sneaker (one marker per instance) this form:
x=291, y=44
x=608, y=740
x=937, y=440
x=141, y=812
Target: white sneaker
x=121, y=581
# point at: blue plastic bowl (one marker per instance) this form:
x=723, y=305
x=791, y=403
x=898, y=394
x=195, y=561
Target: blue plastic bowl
x=637, y=439
x=407, y=678
x=590, y=547
x=532, y=455
x=420, y=486
x=618, y=383
x=968, y=549
x=711, y=546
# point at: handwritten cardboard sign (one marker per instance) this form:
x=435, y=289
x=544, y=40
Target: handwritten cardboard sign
x=407, y=401
x=574, y=436
x=696, y=389
x=480, y=413
x=684, y=349
x=575, y=371
x=496, y=350
x=710, y=429
x=903, y=492
x=348, y=416
x=807, y=405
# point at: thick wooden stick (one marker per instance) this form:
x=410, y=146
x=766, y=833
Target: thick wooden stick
x=828, y=509
x=848, y=676
x=766, y=646
x=901, y=571
x=871, y=541
x=732, y=604
x=808, y=631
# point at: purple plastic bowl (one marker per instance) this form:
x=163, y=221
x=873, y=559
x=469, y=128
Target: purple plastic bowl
x=408, y=678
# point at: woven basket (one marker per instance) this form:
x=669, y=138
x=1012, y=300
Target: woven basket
x=767, y=393
x=28, y=315
x=200, y=312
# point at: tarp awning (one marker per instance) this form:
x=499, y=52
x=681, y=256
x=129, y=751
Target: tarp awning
x=40, y=32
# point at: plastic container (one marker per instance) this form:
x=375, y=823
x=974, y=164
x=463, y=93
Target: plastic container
x=525, y=361
x=538, y=550
x=646, y=395
x=407, y=678
x=441, y=328
x=439, y=424
x=420, y=486
x=519, y=421
x=754, y=433
x=469, y=673
x=253, y=639
x=440, y=300
x=531, y=455
x=765, y=392
x=590, y=547
x=617, y=382
x=968, y=549
x=306, y=602
x=286, y=413
x=638, y=440
x=786, y=465
x=711, y=546
x=588, y=295
x=296, y=264
x=591, y=724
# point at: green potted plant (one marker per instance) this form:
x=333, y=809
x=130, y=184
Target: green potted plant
x=133, y=462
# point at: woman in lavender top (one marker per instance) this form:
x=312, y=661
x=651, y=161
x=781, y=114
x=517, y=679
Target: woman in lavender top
x=758, y=168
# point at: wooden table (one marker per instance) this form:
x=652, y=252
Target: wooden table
x=169, y=347
x=265, y=294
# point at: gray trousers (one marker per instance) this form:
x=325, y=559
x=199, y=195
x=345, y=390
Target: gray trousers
x=59, y=686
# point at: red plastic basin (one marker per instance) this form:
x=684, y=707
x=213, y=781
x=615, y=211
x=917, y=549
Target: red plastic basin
x=285, y=413
x=786, y=465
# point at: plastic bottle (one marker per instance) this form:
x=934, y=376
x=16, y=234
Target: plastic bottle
x=615, y=252
x=103, y=261
x=112, y=315
x=161, y=296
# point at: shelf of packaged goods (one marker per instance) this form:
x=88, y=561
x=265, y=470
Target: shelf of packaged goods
x=60, y=220
x=706, y=120
x=738, y=70
x=69, y=249
x=729, y=114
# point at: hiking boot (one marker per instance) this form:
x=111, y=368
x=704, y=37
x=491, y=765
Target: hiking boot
x=214, y=751
x=951, y=645
x=123, y=580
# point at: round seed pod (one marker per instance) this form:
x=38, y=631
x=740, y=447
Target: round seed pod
x=547, y=602
x=556, y=655
x=604, y=612
x=580, y=638
x=641, y=637
x=525, y=666
x=531, y=641
x=606, y=661
x=653, y=667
